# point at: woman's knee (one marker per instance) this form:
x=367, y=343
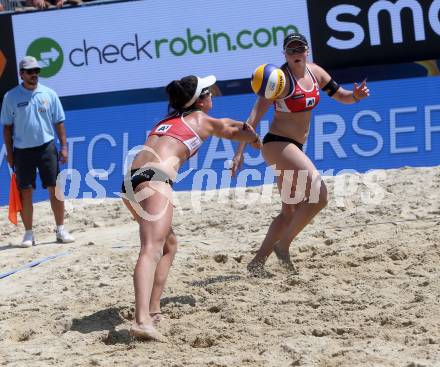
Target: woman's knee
x=321, y=199
x=152, y=251
x=318, y=193
x=171, y=244
x=287, y=213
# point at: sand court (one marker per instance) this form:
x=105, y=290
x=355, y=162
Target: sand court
x=367, y=292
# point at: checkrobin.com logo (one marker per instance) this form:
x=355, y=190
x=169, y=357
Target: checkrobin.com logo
x=136, y=47
x=49, y=54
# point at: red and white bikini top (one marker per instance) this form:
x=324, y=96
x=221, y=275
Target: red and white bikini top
x=176, y=127
x=299, y=99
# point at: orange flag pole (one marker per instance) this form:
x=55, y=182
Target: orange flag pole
x=14, y=200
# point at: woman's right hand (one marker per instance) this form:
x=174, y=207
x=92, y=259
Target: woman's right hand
x=257, y=144
x=237, y=161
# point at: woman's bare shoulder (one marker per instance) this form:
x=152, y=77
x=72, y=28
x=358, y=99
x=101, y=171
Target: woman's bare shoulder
x=315, y=68
x=320, y=74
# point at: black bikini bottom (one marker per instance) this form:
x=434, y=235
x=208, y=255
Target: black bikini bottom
x=146, y=174
x=272, y=137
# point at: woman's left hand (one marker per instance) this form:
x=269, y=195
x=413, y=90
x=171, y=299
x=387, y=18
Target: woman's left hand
x=360, y=91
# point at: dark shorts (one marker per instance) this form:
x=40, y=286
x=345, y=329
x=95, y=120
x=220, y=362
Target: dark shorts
x=272, y=137
x=146, y=174
x=43, y=157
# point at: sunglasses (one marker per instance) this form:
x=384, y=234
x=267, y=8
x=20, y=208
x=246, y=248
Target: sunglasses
x=205, y=93
x=296, y=50
x=32, y=71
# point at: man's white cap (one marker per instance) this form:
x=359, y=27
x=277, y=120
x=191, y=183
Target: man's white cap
x=202, y=83
x=29, y=62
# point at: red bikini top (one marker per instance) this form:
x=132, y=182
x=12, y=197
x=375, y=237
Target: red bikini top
x=176, y=127
x=299, y=99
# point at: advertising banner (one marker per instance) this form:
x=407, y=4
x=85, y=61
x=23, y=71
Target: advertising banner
x=390, y=129
x=145, y=44
x=366, y=32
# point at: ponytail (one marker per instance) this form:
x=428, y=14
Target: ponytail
x=179, y=93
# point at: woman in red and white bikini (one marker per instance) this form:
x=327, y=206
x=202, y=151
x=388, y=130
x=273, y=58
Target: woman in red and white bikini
x=282, y=148
x=148, y=185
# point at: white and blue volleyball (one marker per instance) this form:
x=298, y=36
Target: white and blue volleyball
x=268, y=81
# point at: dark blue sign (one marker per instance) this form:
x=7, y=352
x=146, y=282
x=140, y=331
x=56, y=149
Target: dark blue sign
x=399, y=125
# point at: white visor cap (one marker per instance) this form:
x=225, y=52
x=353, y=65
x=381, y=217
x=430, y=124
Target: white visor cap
x=202, y=83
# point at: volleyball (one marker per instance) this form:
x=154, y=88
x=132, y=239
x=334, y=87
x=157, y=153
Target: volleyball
x=268, y=81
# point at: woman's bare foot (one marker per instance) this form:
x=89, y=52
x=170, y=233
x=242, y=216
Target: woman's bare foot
x=156, y=317
x=146, y=332
x=256, y=269
x=284, y=258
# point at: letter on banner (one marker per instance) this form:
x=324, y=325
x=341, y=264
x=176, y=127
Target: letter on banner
x=429, y=129
x=394, y=130
x=332, y=138
x=90, y=150
x=365, y=132
x=348, y=27
x=395, y=13
x=70, y=143
x=3, y=155
x=213, y=154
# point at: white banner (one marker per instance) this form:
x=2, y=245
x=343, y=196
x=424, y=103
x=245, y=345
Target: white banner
x=146, y=44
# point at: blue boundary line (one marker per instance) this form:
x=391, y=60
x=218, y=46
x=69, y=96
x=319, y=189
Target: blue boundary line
x=32, y=264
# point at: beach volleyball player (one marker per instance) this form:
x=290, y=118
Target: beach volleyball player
x=148, y=185
x=302, y=190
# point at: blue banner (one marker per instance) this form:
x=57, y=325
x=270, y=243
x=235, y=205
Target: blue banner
x=399, y=125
